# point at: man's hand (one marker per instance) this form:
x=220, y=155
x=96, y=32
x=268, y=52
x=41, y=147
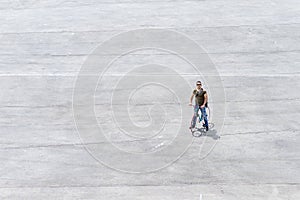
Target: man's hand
x=202, y=106
x=190, y=104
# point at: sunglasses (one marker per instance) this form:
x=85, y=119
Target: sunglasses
x=199, y=84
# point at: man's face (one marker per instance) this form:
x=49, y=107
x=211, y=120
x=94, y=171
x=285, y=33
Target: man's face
x=199, y=85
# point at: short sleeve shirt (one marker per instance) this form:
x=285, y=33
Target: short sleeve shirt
x=199, y=96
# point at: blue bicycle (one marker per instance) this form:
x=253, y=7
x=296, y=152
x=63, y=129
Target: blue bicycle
x=199, y=125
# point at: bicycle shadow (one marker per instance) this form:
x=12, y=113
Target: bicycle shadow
x=200, y=132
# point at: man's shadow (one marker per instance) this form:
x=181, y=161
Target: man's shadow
x=200, y=132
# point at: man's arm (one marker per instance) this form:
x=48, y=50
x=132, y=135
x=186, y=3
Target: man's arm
x=205, y=100
x=191, y=99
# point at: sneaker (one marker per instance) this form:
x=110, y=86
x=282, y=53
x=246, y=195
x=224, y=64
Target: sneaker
x=192, y=129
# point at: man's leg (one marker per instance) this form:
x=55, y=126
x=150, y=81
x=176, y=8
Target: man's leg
x=193, y=122
x=203, y=112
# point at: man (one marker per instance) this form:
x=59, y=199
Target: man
x=200, y=103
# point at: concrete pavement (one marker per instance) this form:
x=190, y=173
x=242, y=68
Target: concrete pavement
x=253, y=44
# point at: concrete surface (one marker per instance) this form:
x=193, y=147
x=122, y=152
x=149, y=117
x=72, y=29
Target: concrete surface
x=253, y=44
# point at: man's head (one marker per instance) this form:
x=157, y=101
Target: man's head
x=199, y=84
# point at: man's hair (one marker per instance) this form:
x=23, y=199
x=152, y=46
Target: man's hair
x=198, y=82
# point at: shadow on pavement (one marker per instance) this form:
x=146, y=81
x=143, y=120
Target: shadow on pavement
x=200, y=132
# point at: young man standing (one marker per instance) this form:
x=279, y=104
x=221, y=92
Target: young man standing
x=200, y=103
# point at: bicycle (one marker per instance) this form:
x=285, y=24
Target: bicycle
x=200, y=125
